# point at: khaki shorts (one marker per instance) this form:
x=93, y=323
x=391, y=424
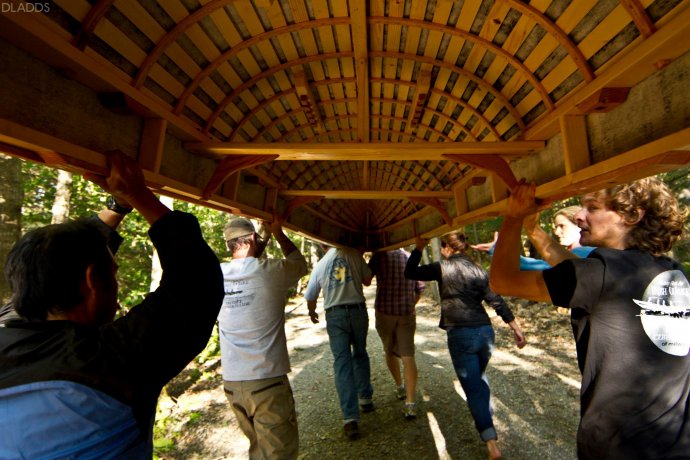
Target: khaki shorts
x=397, y=333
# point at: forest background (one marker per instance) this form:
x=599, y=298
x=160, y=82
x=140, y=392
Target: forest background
x=32, y=195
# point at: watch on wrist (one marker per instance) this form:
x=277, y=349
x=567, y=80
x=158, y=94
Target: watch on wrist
x=114, y=206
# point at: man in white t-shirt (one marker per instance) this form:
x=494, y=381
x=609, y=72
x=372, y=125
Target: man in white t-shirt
x=341, y=274
x=254, y=351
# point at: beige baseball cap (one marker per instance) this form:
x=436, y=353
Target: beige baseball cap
x=238, y=227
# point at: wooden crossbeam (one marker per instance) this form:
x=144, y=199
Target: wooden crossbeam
x=367, y=194
x=367, y=151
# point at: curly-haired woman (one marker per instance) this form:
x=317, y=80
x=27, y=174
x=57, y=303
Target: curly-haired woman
x=635, y=389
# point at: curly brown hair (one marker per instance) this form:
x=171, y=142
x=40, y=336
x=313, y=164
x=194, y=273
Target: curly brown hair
x=663, y=219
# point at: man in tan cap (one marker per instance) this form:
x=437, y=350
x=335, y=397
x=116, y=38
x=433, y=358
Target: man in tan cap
x=254, y=351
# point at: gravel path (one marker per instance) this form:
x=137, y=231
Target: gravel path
x=534, y=392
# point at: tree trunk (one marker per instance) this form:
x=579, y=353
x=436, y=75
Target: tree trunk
x=63, y=197
x=436, y=257
x=11, y=197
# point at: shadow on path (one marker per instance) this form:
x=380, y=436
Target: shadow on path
x=534, y=392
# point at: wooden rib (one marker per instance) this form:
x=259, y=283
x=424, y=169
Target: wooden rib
x=252, y=81
x=565, y=41
x=396, y=173
x=640, y=17
x=316, y=135
x=334, y=81
x=433, y=130
x=455, y=122
x=625, y=70
x=329, y=219
x=287, y=92
x=230, y=165
x=493, y=163
x=358, y=15
x=373, y=130
x=257, y=109
x=482, y=42
x=465, y=105
x=297, y=202
x=233, y=51
x=277, y=120
x=172, y=36
x=453, y=68
x=437, y=205
x=89, y=23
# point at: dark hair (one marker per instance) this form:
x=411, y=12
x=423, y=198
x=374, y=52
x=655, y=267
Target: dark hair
x=234, y=243
x=46, y=267
x=455, y=240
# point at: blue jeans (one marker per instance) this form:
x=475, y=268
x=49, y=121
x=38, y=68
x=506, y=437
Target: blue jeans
x=470, y=350
x=347, y=333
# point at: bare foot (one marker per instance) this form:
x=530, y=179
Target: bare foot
x=494, y=451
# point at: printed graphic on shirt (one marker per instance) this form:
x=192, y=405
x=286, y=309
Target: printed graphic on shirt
x=665, y=312
x=338, y=273
x=236, y=294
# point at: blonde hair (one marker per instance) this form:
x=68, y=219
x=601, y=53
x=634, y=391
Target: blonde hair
x=663, y=219
x=568, y=212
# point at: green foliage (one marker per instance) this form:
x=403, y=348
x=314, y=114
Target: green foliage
x=39, y=194
x=194, y=417
x=212, y=349
x=163, y=445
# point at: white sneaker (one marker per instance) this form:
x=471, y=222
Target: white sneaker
x=400, y=392
x=410, y=411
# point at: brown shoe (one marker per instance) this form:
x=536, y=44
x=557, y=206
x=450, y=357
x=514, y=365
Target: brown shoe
x=351, y=430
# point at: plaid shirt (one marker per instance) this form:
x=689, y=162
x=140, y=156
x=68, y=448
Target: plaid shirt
x=395, y=295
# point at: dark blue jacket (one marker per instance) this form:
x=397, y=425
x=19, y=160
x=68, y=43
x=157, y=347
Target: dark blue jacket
x=65, y=388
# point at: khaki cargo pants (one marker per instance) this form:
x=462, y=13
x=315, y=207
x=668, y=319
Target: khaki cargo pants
x=265, y=411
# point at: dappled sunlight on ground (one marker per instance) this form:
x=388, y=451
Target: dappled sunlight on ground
x=534, y=392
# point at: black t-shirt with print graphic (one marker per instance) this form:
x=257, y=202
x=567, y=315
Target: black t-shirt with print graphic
x=636, y=376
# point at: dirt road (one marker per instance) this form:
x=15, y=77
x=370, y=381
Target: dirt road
x=534, y=392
